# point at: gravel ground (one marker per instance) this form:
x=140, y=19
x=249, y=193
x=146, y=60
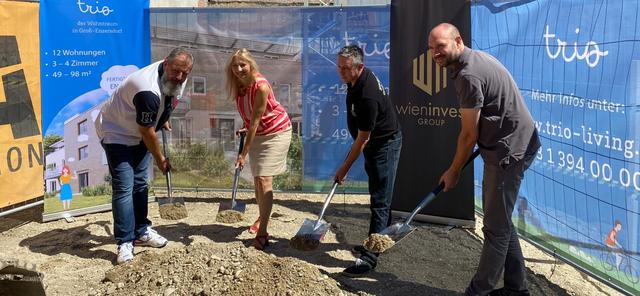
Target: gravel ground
x=79, y=258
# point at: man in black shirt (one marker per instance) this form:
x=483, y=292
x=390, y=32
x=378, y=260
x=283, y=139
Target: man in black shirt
x=376, y=132
x=494, y=116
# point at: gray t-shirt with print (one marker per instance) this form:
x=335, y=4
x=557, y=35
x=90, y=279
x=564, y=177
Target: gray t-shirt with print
x=506, y=128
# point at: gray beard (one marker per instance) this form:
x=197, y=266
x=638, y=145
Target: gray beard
x=169, y=88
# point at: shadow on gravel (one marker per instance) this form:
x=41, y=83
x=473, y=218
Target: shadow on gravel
x=76, y=241
x=434, y=260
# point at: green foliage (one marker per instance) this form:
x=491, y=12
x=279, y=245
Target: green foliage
x=107, y=178
x=193, y=157
x=48, y=141
x=215, y=165
x=50, y=194
x=102, y=189
x=292, y=179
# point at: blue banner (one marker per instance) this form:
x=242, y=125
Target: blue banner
x=326, y=139
x=576, y=63
x=88, y=48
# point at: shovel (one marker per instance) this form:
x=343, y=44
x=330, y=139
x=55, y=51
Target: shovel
x=171, y=208
x=314, y=231
x=399, y=230
x=233, y=204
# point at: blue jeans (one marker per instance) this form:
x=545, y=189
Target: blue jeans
x=380, y=163
x=128, y=166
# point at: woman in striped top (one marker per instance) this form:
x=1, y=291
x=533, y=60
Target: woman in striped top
x=268, y=131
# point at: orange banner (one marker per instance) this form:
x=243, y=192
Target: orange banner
x=21, y=155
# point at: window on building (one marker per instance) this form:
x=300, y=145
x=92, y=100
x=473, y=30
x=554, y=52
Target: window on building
x=83, y=152
x=53, y=186
x=199, y=85
x=283, y=95
x=82, y=128
x=51, y=166
x=296, y=127
x=83, y=180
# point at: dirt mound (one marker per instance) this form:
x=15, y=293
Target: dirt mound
x=173, y=211
x=208, y=269
x=229, y=217
x=303, y=243
x=378, y=243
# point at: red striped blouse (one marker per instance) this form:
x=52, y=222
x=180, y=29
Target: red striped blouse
x=273, y=120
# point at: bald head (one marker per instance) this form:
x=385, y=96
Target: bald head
x=445, y=30
x=446, y=44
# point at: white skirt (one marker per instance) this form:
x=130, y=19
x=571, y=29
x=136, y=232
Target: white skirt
x=268, y=154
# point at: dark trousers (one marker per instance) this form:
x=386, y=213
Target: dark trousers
x=501, y=249
x=128, y=166
x=380, y=163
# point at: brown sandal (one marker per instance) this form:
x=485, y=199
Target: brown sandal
x=261, y=242
x=253, y=229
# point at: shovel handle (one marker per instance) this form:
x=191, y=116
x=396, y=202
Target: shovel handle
x=432, y=195
x=166, y=155
x=327, y=201
x=242, y=135
x=236, y=176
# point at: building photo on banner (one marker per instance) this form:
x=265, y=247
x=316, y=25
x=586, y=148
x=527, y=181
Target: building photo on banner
x=574, y=64
x=83, y=60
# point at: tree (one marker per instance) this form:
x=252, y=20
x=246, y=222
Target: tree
x=50, y=140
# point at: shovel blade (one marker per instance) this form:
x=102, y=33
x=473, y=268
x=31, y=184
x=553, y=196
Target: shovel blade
x=398, y=231
x=227, y=205
x=311, y=231
x=170, y=200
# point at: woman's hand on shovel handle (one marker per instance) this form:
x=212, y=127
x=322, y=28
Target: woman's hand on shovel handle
x=240, y=161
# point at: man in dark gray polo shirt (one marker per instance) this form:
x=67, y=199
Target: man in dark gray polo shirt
x=494, y=116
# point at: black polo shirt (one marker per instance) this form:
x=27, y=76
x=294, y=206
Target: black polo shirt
x=369, y=109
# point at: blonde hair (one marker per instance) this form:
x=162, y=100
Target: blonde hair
x=233, y=83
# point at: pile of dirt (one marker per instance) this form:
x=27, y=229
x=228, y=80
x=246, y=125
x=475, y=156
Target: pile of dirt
x=303, y=243
x=378, y=243
x=173, y=211
x=229, y=216
x=209, y=269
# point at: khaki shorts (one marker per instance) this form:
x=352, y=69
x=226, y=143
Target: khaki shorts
x=268, y=154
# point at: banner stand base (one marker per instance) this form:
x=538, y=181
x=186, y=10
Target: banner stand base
x=437, y=219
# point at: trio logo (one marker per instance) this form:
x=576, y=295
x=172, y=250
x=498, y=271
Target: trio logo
x=429, y=84
x=17, y=110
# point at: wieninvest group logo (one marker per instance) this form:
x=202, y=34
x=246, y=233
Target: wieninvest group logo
x=435, y=79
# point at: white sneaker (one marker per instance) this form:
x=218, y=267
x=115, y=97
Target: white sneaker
x=151, y=239
x=125, y=252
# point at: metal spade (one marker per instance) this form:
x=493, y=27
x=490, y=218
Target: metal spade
x=316, y=229
x=233, y=204
x=170, y=199
x=400, y=230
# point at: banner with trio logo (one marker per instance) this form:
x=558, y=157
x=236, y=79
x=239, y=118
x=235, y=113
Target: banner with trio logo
x=578, y=68
x=91, y=49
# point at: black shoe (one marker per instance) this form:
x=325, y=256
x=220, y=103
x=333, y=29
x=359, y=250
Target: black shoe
x=505, y=292
x=358, y=250
x=359, y=269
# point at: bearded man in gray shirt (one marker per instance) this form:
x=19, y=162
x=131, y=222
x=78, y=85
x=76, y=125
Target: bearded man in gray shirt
x=494, y=116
